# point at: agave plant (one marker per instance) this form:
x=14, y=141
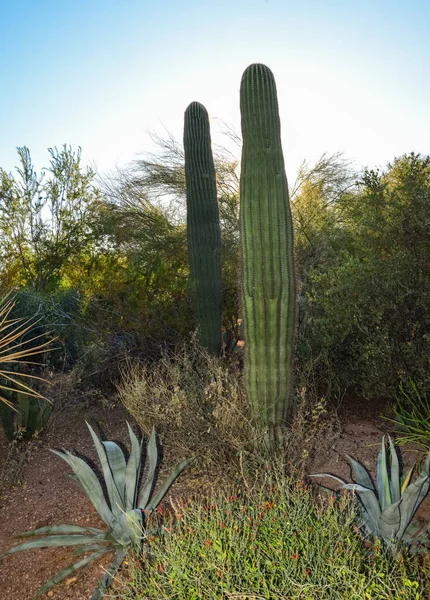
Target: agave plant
x=387, y=511
x=12, y=352
x=125, y=512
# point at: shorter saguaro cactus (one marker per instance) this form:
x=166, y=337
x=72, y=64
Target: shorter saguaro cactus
x=203, y=227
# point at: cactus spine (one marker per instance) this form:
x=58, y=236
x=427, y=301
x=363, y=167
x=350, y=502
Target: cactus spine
x=203, y=227
x=269, y=287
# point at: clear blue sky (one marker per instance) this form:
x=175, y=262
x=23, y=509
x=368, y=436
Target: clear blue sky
x=352, y=75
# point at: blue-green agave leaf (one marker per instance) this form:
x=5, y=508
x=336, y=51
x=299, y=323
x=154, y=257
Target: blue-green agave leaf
x=148, y=488
x=118, y=465
x=414, y=495
x=68, y=571
x=107, y=579
x=60, y=530
x=90, y=484
x=389, y=523
x=360, y=474
x=132, y=472
x=395, y=491
x=112, y=489
x=341, y=481
x=382, y=478
x=411, y=532
x=58, y=540
x=167, y=485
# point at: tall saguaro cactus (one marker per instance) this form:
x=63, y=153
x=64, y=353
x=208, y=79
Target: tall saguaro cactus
x=203, y=227
x=269, y=286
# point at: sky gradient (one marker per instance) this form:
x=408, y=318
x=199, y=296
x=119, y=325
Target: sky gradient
x=352, y=75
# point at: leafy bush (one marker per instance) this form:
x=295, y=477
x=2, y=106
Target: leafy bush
x=274, y=541
x=364, y=301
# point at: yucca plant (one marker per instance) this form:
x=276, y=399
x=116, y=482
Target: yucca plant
x=13, y=352
x=387, y=510
x=125, y=512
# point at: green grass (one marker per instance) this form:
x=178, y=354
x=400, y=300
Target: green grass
x=276, y=542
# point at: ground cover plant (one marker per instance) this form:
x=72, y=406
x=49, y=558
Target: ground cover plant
x=272, y=541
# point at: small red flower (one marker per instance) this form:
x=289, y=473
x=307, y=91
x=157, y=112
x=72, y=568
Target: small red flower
x=208, y=542
x=295, y=556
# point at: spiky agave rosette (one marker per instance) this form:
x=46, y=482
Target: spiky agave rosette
x=125, y=512
x=387, y=509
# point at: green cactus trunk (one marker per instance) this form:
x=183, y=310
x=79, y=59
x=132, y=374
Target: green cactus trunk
x=269, y=285
x=203, y=227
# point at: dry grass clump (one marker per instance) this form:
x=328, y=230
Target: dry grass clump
x=195, y=401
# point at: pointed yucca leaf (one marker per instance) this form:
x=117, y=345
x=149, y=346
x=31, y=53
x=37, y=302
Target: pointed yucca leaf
x=132, y=472
x=89, y=482
x=360, y=474
x=356, y=487
x=167, y=485
x=118, y=466
x=68, y=571
x=107, y=579
x=389, y=523
x=55, y=541
x=112, y=490
x=395, y=474
x=382, y=479
x=59, y=529
x=152, y=452
x=406, y=479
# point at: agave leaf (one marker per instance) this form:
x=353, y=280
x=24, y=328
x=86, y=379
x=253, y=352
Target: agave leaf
x=360, y=474
x=90, y=484
x=147, y=489
x=411, y=499
x=76, y=481
x=117, y=465
x=166, y=486
x=341, y=481
x=356, y=487
x=389, y=523
x=406, y=479
x=107, y=579
x=370, y=510
x=411, y=532
x=382, y=478
x=68, y=571
x=395, y=474
x=57, y=540
x=132, y=472
x=59, y=530
x=112, y=489
x=85, y=549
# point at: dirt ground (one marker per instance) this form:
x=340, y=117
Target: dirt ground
x=43, y=495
